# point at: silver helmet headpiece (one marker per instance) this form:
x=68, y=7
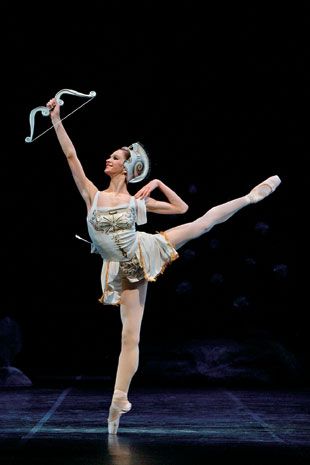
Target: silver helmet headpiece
x=138, y=165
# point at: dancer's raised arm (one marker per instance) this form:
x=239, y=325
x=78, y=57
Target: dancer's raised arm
x=86, y=188
x=175, y=204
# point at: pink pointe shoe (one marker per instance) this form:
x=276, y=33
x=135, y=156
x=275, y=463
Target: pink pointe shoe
x=119, y=405
x=263, y=189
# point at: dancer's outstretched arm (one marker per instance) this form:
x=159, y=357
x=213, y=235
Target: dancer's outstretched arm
x=86, y=188
x=173, y=206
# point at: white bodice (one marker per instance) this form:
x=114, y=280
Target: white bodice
x=113, y=230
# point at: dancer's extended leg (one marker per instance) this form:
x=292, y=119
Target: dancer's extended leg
x=132, y=308
x=179, y=235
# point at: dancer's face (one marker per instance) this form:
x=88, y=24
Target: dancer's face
x=115, y=163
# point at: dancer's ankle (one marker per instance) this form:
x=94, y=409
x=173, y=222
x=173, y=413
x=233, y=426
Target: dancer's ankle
x=119, y=393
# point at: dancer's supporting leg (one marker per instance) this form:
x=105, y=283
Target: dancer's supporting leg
x=132, y=307
x=179, y=235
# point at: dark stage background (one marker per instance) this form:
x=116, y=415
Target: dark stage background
x=218, y=96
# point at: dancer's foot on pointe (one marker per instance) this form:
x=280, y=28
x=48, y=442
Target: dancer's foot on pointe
x=263, y=189
x=119, y=406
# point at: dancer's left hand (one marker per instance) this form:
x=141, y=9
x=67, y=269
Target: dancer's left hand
x=147, y=189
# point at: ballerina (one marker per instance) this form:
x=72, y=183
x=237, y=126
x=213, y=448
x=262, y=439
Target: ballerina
x=131, y=258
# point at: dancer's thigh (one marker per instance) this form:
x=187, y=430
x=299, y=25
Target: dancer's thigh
x=133, y=298
x=180, y=235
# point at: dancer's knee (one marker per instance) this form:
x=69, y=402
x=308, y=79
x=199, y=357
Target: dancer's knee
x=210, y=219
x=202, y=226
x=130, y=339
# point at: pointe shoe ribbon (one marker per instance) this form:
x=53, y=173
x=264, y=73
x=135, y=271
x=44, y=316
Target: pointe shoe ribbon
x=119, y=406
x=263, y=189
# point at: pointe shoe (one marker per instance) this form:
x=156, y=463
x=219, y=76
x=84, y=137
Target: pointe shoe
x=119, y=406
x=263, y=189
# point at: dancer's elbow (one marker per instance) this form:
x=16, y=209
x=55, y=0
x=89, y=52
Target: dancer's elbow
x=183, y=208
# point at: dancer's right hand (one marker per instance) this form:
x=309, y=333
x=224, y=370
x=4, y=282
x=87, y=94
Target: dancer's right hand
x=54, y=108
x=147, y=189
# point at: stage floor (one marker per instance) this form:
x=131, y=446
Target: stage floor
x=166, y=426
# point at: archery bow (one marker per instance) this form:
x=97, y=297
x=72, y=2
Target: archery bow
x=46, y=111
